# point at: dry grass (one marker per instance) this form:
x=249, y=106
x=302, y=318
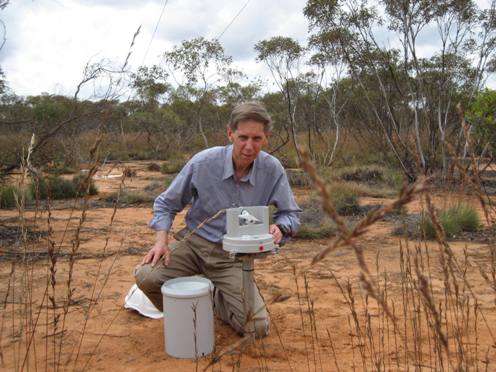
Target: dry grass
x=426, y=313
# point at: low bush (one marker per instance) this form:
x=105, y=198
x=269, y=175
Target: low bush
x=54, y=187
x=9, y=194
x=320, y=232
x=172, y=166
x=344, y=196
x=159, y=186
x=315, y=224
x=59, y=188
x=82, y=187
x=155, y=186
x=298, y=178
x=59, y=169
x=454, y=220
x=372, y=174
x=130, y=197
x=153, y=167
x=137, y=197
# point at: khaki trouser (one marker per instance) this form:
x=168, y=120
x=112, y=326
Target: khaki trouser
x=197, y=256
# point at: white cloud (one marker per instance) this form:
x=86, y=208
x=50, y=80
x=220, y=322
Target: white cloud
x=50, y=41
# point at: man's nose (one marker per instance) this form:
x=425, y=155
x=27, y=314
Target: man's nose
x=249, y=144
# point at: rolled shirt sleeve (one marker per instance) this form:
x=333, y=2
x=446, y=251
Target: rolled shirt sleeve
x=287, y=214
x=172, y=200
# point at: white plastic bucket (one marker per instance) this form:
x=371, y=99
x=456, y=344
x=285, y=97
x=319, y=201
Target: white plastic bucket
x=188, y=317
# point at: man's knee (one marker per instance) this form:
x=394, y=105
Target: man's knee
x=145, y=280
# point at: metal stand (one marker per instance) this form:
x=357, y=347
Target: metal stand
x=249, y=289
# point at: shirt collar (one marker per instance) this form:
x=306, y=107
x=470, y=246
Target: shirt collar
x=229, y=168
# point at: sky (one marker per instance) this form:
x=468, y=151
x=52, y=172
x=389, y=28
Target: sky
x=49, y=42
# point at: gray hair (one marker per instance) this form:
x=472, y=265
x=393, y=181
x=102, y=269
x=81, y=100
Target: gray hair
x=255, y=111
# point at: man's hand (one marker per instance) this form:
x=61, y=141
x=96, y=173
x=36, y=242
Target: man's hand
x=274, y=230
x=160, y=248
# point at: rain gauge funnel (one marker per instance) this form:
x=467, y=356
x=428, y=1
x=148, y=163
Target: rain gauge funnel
x=247, y=237
x=188, y=317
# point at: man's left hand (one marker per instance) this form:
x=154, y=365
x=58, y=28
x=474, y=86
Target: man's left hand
x=274, y=230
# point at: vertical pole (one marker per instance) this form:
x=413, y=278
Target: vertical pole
x=249, y=295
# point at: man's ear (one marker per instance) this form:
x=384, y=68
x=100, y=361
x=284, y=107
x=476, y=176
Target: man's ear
x=230, y=134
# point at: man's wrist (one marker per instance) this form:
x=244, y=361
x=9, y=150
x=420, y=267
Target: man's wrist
x=284, y=229
x=162, y=237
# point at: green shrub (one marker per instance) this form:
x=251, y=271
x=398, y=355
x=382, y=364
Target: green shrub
x=8, y=194
x=315, y=224
x=298, y=178
x=159, y=186
x=155, y=186
x=59, y=169
x=172, y=166
x=321, y=232
x=53, y=186
x=454, y=220
x=80, y=182
x=369, y=174
x=482, y=114
x=59, y=188
x=132, y=197
x=344, y=196
x=153, y=167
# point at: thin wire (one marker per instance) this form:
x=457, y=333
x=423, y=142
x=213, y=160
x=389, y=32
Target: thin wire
x=232, y=21
x=154, y=32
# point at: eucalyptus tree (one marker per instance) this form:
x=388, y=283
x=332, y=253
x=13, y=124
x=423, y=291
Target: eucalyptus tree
x=346, y=27
x=418, y=92
x=283, y=56
x=202, y=65
x=482, y=115
x=149, y=116
x=150, y=83
x=330, y=63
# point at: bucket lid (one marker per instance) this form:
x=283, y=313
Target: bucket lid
x=138, y=301
x=187, y=287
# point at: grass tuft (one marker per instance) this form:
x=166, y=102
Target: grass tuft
x=344, y=196
x=454, y=220
x=9, y=193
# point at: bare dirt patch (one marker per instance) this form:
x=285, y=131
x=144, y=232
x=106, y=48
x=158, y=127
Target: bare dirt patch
x=312, y=323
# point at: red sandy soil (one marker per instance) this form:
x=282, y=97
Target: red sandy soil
x=100, y=335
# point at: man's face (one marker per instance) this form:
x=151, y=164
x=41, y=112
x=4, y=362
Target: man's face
x=248, y=140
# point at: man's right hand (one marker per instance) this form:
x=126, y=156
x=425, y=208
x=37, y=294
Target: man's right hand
x=160, y=248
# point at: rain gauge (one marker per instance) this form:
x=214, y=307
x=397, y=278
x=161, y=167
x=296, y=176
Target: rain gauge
x=247, y=238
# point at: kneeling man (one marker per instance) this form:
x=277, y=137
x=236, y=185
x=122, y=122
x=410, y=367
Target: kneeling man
x=237, y=175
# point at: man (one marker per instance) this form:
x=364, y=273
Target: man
x=213, y=180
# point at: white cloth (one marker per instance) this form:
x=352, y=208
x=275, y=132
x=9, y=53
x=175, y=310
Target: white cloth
x=137, y=300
